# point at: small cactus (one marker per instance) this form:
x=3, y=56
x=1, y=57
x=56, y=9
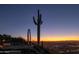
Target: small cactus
x=38, y=23
x=29, y=37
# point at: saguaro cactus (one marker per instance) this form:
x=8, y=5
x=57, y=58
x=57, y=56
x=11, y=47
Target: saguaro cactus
x=38, y=23
x=29, y=37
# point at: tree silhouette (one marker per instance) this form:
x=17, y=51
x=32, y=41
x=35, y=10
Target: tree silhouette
x=12, y=40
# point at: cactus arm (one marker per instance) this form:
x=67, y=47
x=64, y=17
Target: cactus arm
x=38, y=13
x=34, y=21
x=41, y=22
x=40, y=19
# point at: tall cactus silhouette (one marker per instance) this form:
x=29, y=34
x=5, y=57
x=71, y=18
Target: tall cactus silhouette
x=29, y=37
x=38, y=23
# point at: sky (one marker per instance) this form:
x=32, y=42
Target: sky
x=60, y=22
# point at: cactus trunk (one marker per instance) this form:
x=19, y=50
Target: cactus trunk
x=38, y=34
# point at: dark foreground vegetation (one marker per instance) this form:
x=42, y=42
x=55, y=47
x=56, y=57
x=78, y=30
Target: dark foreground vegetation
x=18, y=45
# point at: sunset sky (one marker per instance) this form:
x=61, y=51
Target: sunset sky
x=60, y=22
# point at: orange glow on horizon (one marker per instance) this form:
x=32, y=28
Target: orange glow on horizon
x=58, y=38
